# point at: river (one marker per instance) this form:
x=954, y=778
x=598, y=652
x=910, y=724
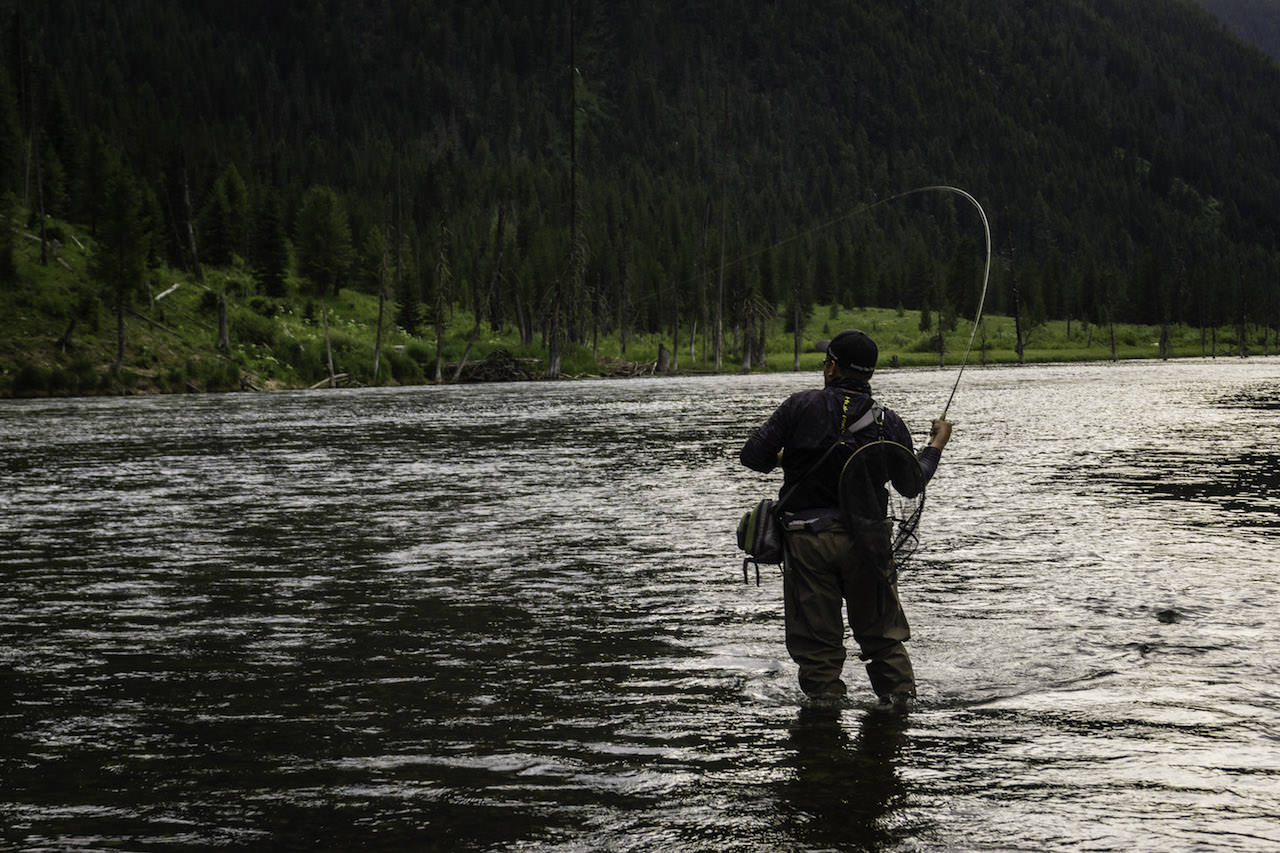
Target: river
x=513, y=617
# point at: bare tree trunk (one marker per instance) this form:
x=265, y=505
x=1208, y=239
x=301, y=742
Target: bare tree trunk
x=623, y=252
x=675, y=335
x=64, y=340
x=119, y=362
x=328, y=348
x=1018, y=346
x=44, y=234
x=439, y=371
x=493, y=288
x=556, y=332
x=377, y=340
x=191, y=229
x=524, y=320
x=717, y=348
x=597, y=308
x=382, y=299
x=224, y=341
x=795, y=321
x=444, y=275
x=762, y=329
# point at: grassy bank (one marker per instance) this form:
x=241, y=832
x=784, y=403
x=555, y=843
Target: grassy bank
x=59, y=337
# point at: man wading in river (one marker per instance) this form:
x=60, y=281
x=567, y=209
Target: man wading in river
x=825, y=563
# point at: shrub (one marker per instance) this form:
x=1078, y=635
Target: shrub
x=86, y=373
x=30, y=381
x=264, y=307
x=307, y=358
x=404, y=369
x=217, y=375
x=250, y=328
x=175, y=379
x=421, y=353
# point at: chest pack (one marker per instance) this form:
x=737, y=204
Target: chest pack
x=760, y=531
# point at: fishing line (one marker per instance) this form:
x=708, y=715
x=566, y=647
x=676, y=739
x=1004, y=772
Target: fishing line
x=867, y=208
x=986, y=273
x=986, y=278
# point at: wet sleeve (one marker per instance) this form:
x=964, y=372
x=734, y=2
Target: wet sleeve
x=760, y=453
x=929, y=457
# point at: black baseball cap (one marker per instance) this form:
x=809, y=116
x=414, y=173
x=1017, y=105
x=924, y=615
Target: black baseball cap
x=852, y=350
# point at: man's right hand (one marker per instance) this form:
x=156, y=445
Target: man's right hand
x=940, y=434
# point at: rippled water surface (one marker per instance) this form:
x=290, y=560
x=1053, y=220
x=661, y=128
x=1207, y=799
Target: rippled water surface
x=513, y=617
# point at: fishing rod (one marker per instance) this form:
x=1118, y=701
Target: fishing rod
x=986, y=273
x=867, y=208
x=986, y=278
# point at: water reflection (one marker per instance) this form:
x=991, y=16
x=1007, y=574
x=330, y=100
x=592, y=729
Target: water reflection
x=846, y=790
x=1246, y=486
x=474, y=619
x=1265, y=396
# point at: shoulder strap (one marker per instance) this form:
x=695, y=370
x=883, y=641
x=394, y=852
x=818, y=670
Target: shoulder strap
x=875, y=415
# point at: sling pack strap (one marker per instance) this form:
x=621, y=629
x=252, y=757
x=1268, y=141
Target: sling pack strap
x=873, y=415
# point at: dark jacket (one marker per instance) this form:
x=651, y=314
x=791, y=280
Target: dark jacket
x=806, y=425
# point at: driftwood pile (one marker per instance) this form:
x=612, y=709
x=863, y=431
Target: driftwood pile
x=498, y=366
x=501, y=366
x=617, y=367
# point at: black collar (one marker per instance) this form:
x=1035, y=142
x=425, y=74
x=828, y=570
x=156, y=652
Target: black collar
x=848, y=383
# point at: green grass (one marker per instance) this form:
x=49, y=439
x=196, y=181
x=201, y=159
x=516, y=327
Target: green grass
x=171, y=340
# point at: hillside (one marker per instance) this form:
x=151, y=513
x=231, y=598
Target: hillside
x=728, y=167
x=1255, y=21
x=171, y=338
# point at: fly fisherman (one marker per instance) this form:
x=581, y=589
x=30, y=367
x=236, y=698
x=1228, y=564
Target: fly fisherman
x=825, y=563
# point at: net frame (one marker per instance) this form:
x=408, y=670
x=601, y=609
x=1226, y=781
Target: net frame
x=882, y=480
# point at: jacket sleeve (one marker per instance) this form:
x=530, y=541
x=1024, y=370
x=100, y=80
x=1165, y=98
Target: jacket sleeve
x=928, y=457
x=760, y=453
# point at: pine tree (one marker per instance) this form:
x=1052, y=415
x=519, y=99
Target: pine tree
x=8, y=265
x=215, y=228
x=269, y=250
x=323, y=240
x=119, y=259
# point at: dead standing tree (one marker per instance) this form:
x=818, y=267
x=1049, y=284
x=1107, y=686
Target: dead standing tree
x=499, y=241
x=444, y=278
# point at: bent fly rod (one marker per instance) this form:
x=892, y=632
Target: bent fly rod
x=986, y=277
x=986, y=273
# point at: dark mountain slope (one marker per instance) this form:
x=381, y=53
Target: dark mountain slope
x=1124, y=148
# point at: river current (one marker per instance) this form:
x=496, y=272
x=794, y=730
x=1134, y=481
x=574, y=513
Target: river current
x=513, y=617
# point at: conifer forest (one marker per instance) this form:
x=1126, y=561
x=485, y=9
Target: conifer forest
x=702, y=171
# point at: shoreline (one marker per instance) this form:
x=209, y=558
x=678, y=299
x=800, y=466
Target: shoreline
x=344, y=382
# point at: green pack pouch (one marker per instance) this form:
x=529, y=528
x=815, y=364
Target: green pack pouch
x=760, y=536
